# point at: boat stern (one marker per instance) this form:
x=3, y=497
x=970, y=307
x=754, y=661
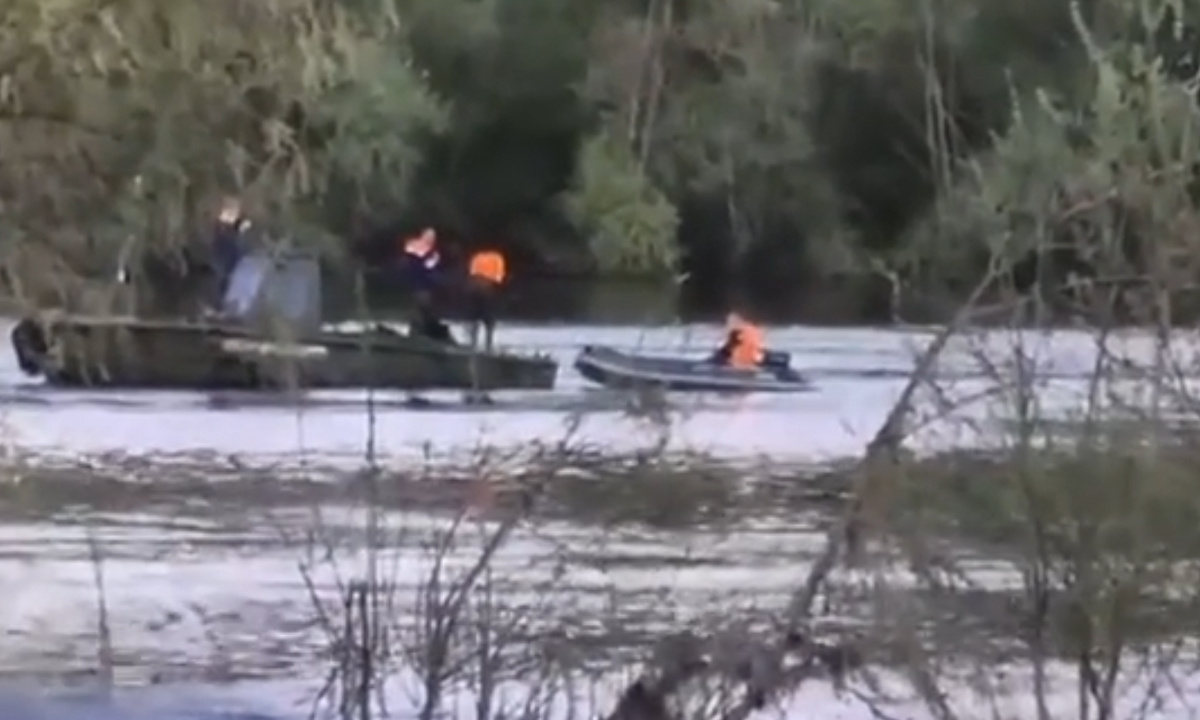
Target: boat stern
x=514, y=372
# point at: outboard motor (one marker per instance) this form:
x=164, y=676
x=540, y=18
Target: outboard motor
x=30, y=346
x=780, y=363
x=775, y=360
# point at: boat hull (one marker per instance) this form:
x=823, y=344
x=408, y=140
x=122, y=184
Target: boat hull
x=74, y=351
x=615, y=369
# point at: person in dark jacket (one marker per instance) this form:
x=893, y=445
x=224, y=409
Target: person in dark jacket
x=420, y=267
x=228, y=243
x=421, y=261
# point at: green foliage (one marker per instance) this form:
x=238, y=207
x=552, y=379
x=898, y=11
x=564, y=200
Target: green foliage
x=630, y=226
x=796, y=139
x=1098, y=180
x=1101, y=524
x=370, y=120
x=123, y=121
x=1114, y=497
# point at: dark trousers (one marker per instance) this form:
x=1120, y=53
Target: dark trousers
x=427, y=322
x=482, y=297
x=722, y=354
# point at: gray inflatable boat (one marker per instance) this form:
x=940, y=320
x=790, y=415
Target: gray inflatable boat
x=615, y=369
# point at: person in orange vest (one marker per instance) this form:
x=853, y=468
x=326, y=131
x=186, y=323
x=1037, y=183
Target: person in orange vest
x=486, y=275
x=743, y=348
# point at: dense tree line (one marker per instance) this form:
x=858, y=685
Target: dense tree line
x=764, y=145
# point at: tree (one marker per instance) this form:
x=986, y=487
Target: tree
x=123, y=120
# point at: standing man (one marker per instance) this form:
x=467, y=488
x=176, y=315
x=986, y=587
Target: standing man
x=421, y=263
x=229, y=244
x=486, y=275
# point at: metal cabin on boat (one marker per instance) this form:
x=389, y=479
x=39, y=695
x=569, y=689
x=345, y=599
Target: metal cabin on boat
x=267, y=335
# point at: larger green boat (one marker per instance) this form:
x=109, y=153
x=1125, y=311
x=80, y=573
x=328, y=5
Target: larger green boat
x=269, y=335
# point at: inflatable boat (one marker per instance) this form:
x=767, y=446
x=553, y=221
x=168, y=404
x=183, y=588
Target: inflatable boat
x=615, y=369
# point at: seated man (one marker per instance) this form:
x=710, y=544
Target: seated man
x=743, y=348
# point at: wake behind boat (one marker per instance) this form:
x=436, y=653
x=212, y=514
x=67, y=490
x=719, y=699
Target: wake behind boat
x=615, y=369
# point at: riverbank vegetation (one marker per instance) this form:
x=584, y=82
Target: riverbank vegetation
x=885, y=149
x=1049, y=574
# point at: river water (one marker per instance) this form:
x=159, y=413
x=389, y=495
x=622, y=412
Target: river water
x=858, y=373
x=210, y=613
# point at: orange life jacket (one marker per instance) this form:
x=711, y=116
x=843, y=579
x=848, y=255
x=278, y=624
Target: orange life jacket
x=489, y=265
x=748, y=352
